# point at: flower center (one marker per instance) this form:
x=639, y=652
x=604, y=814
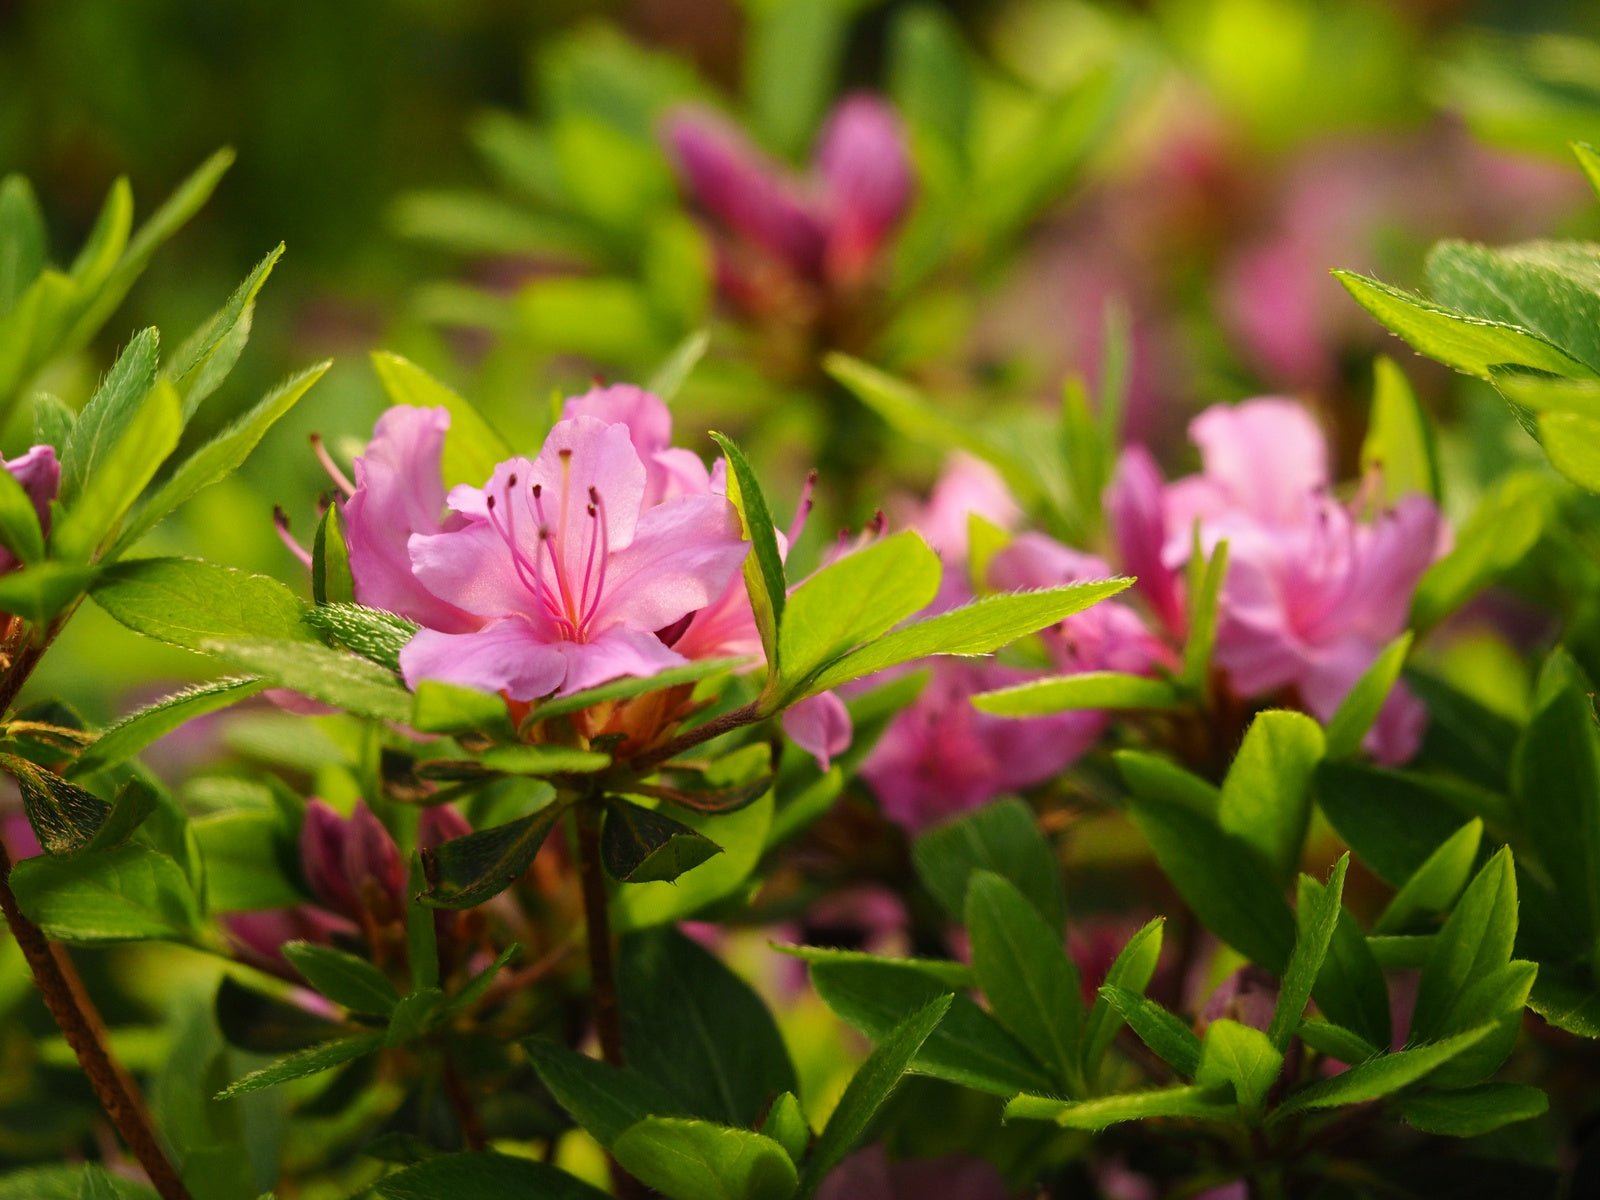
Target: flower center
x=551, y=576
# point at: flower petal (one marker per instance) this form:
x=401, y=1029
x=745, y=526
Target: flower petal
x=865, y=167
x=1267, y=454
x=683, y=555
x=504, y=656
x=820, y=725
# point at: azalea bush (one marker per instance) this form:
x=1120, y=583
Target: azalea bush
x=722, y=705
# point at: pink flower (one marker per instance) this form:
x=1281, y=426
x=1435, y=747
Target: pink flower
x=40, y=476
x=558, y=573
x=353, y=866
x=820, y=725
x=1312, y=593
x=826, y=229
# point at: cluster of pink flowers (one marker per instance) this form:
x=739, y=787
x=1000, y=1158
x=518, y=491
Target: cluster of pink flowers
x=778, y=234
x=1313, y=593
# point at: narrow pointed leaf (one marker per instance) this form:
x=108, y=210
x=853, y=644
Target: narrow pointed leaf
x=466, y=871
x=641, y=845
x=1317, y=923
x=1378, y=1077
x=1168, y=1038
x=343, y=978
x=763, y=569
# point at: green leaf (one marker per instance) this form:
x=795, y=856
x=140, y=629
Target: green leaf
x=52, y=420
x=1364, y=701
x=699, y=1030
x=1193, y=1102
x=1206, y=587
x=336, y=678
x=641, y=845
x=331, y=581
x=1237, y=1055
x=1022, y=967
x=1168, y=1038
x=968, y=1047
x=136, y=800
x=785, y=1123
x=130, y=893
x=446, y=708
x=375, y=635
x=105, y=419
x=1475, y=1111
x=1156, y=777
x=856, y=599
x=465, y=871
x=981, y=627
x=119, y=475
x=1477, y=939
x=64, y=817
x=343, y=978
x=951, y=974
x=1350, y=987
x=422, y=932
x=1266, y=797
x=1002, y=837
x=669, y=377
x=1569, y=442
x=1069, y=693
x=544, y=759
x=1378, y=1077
x=1399, y=446
x=605, y=1100
x=763, y=568
x=1131, y=972
x=22, y=240
x=311, y=1061
x=1568, y=1001
x=478, y=986
x=98, y=255
x=1392, y=820
x=791, y=66
x=697, y=1160
x=1468, y=344
x=127, y=737
x=1336, y=1041
x=1317, y=922
x=870, y=1086
x=190, y=603
x=207, y=355
x=38, y=593
x=1222, y=879
x=472, y=448
x=247, y=855
x=483, y=1175
x=220, y=457
x=414, y=1016
x=1589, y=159
x=1434, y=886
x=1556, y=786
x=1506, y=524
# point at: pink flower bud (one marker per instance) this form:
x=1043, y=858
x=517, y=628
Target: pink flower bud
x=866, y=173
x=40, y=476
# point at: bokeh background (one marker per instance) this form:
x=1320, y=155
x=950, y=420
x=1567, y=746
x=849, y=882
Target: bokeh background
x=441, y=172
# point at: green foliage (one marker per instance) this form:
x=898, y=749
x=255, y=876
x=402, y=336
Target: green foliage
x=466, y=871
x=641, y=845
x=1002, y=838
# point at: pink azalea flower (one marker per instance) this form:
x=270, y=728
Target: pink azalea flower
x=558, y=573
x=825, y=229
x=1312, y=593
x=40, y=476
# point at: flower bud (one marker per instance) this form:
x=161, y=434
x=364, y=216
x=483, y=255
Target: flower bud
x=40, y=476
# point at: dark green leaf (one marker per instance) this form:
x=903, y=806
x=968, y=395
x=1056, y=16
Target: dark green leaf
x=605, y=1100
x=336, y=678
x=22, y=240
x=1023, y=969
x=121, y=741
x=1475, y=1111
x=640, y=845
x=1266, y=797
x=414, y=1016
x=1350, y=988
x=331, y=581
x=871, y=1085
x=1155, y=777
x=130, y=893
x=38, y=593
x=699, y=1030
x=1131, y=972
x=1476, y=940
x=483, y=1175
x=1002, y=837
x=953, y=975
x=311, y=1061
x=188, y=602
x=1393, y=821
x=1364, y=701
x=107, y=416
x=466, y=871
x=1378, y=1077
x=64, y=816
x=208, y=354
x=1336, y=1041
x=1317, y=923
x=1437, y=882
x=249, y=854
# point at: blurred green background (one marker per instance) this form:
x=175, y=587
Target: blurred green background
x=1251, y=121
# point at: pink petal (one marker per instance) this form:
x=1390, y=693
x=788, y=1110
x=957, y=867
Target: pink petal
x=669, y=471
x=398, y=493
x=683, y=555
x=614, y=654
x=1268, y=454
x=742, y=188
x=1395, y=551
x=865, y=166
x=1135, y=511
x=967, y=486
x=472, y=568
x=820, y=725
x=507, y=655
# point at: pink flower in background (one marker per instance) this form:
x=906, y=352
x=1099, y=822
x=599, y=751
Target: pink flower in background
x=40, y=476
x=825, y=229
x=1313, y=592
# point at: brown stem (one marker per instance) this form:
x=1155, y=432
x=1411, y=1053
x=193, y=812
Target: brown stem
x=602, y=974
x=80, y=1024
x=455, y=1090
x=715, y=727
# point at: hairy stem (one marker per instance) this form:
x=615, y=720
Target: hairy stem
x=84, y=1031
x=716, y=727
